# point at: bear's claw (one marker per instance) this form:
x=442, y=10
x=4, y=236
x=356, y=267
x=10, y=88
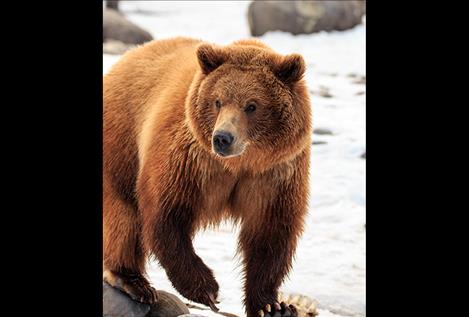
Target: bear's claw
x=135, y=285
x=278, y=310
x=212, y=301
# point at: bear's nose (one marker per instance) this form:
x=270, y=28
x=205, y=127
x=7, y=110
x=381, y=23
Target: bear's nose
x=222, y=141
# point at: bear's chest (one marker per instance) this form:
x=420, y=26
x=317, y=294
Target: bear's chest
x=216, y=192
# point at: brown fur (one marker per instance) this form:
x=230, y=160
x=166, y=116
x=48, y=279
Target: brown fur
x=163, y=182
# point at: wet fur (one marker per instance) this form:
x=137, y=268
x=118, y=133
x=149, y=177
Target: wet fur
x=162, y=182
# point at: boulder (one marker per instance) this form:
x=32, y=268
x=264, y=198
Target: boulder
x=319, y=142
x=116, y=47
x=360, y=80
x=112, y=5
x=322, y=131
x=118, y=304
x=168, y=305
x=117, y=27
x=357, y=79
x=324, y=92
x=304, y=17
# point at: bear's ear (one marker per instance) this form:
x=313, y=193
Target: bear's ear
x=291, y=69
x=210, y=57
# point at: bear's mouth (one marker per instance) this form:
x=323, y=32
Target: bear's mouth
x=232, y=152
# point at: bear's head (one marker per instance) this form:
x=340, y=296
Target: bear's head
x=249, y=106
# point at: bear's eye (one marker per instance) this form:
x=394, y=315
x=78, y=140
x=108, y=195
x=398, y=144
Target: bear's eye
x=218, y=104
x=251, y=107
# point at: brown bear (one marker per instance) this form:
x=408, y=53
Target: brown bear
x=195, y=133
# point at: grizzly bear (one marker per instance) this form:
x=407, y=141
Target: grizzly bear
x=195, y=133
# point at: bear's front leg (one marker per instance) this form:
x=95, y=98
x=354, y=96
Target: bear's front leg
x=268, y=240
x=168, y=228
x=175, y=252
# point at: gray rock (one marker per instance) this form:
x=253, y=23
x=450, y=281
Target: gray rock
x=116, y=47
x=357, y=79
x=353, y=75
x=112, y=5
x=360, y=80
x=322, y=131
x=322, y=92
x=168, y=305
x=319, y=142
x=119, y=304
x=304, y=17
x=117, y=27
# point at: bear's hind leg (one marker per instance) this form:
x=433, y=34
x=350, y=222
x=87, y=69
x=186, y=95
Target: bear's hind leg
x=124, y=257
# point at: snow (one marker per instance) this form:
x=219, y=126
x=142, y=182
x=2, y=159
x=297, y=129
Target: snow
x=330, y=260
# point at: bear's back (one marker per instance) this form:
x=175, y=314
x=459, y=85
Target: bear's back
x=131, y=92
